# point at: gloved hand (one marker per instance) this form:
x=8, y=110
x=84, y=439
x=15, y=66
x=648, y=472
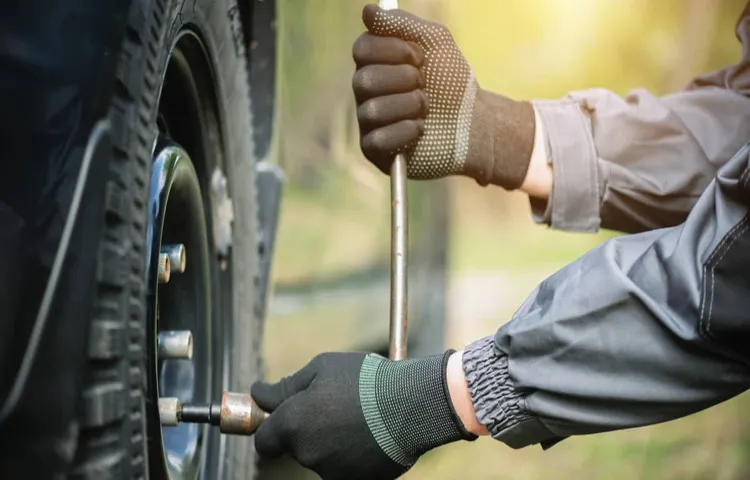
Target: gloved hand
x=416, y=94
x=352, y=415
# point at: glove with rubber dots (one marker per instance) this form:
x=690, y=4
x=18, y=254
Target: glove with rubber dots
x=356, y=415
x=416, y=94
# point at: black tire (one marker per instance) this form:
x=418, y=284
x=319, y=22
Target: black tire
x=117, y=402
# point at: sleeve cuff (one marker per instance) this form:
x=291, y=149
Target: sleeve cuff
x=498, y=405
x=574, y=202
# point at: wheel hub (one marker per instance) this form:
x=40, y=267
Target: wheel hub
x=179, y=303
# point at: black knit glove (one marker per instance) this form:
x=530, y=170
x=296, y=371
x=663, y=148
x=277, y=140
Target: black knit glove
x=351, y=415
x=417, y=94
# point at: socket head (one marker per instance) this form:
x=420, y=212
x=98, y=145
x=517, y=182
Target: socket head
x=240, y=415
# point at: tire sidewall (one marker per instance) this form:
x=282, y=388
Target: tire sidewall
x=217, y=23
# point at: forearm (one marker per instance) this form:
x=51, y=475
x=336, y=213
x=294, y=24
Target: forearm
x=631, y=163
x=637, y=162
x=644, y=329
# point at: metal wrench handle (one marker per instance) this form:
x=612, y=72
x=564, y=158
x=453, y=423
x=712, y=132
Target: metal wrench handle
x=399, y=247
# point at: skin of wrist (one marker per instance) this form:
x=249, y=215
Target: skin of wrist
x=458, y=389
x=538, y=180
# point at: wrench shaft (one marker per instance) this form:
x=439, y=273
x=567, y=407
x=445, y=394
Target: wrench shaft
x=399, y=247
x=399, y=260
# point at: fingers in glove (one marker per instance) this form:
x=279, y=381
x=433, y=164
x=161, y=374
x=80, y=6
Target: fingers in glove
x=280, y=433
x=269, y=396
x=381, y=111
x=272, y=437
x=268, y=441
x=371, y=49
x=379, y=145
x=377, y=80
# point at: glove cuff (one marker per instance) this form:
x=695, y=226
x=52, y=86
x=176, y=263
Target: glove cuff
x=501, y=142
x=407, y=406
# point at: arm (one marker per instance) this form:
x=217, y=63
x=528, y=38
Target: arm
x=637, y=162
x=645, y=328
x=593, y=159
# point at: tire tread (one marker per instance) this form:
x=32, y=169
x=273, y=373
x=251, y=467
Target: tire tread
x=111, y=439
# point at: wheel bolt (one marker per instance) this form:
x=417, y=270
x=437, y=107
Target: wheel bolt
x=177, y=257
x=176, y=344
x=169, y=408
x=164, y=268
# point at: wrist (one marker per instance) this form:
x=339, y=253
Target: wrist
x=501, y=141
x=460, y=397
x=538, y=181
x=407, y=407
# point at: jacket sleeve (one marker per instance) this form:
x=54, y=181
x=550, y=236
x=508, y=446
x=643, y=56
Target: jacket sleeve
x=640, y=162
x=643, y=329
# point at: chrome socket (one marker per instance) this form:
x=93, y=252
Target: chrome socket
x=176, y=344
x=177, y=257
x=164, y=268
x=240, y=415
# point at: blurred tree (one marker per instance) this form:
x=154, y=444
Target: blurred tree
x=315, y=65
x=697, y=32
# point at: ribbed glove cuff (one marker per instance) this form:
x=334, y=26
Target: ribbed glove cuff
x=407, y=406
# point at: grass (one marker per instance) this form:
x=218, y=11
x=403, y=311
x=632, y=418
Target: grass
x=493, y=230
x=331, y=229
x=342, y=226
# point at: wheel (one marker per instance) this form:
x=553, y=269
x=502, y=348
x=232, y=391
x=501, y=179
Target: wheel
x=181, y=192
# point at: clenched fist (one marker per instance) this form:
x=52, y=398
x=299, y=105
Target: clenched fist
x=416, y=94
x=359, y=416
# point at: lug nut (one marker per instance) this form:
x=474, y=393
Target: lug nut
x=177, y=257
x=169, y=409
x=164, y=268
x=177, y=344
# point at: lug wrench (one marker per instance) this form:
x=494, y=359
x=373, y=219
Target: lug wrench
x=238, y=414
x=399, y=248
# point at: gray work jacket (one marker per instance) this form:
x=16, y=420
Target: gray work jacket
x=646, y=327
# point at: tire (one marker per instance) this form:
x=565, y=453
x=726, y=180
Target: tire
x=118, y=404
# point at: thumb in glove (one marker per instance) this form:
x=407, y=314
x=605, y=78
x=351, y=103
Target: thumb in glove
x=352, y=415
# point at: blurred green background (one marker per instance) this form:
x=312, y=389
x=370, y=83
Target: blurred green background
x=335, y=215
